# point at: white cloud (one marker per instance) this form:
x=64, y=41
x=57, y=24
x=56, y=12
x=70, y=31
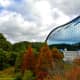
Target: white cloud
x=5, y=3
x=15, y=26
x=43, y=10
x=68, y=7
x=61, y=18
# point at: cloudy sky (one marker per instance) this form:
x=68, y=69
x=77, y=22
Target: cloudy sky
x=32, y=20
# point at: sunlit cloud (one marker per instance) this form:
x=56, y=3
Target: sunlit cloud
x=5, y=3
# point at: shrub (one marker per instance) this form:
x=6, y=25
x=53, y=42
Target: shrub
x=28, y=75
x=18, y=76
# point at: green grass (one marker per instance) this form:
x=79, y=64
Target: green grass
x=6, y=78
x=7, y=74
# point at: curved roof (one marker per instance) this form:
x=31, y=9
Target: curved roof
x=66, y=33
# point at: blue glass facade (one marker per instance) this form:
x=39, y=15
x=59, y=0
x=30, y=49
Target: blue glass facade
x=67, y=33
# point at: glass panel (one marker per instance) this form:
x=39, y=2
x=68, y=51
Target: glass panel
x=68, y=33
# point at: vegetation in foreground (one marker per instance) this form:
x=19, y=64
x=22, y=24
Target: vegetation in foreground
x=35, y=61
x=7, y=74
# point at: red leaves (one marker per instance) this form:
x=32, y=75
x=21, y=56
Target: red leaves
x=45, y=61
x=41, y=75
x=42, y=64
x=28, y=60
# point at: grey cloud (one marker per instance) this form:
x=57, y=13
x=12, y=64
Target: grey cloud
x=11, y=28
x=69, y=7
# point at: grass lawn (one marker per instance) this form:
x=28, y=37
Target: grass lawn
x=7, y=74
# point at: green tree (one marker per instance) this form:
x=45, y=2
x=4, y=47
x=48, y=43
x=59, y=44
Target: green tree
x=2, y=36
x=4, y=44
x=3, y=59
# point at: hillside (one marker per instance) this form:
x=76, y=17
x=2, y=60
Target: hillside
x=69, y=47
x=19, y=46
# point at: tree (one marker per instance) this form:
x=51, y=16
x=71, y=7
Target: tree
x=3, y=59
x=12, y=58
x=28, y=60
x=45, y=62
x=58, y=59
x=2, y=36
x=57, y=55
x=4, y=44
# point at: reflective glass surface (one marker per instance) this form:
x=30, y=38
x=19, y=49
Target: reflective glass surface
x=68, y=33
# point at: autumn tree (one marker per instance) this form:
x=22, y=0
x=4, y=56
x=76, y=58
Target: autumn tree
x=28, y=60
x=58, y=59
x=45, y=62
x=57, y=55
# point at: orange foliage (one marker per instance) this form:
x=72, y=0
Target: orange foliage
x=56, y=54
x=57, y=77
x=45, y=57
x=44, y=63
x=77, y=61
x=73, y=74
x=45, y=60
x=28, y=60
x=41, y=75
